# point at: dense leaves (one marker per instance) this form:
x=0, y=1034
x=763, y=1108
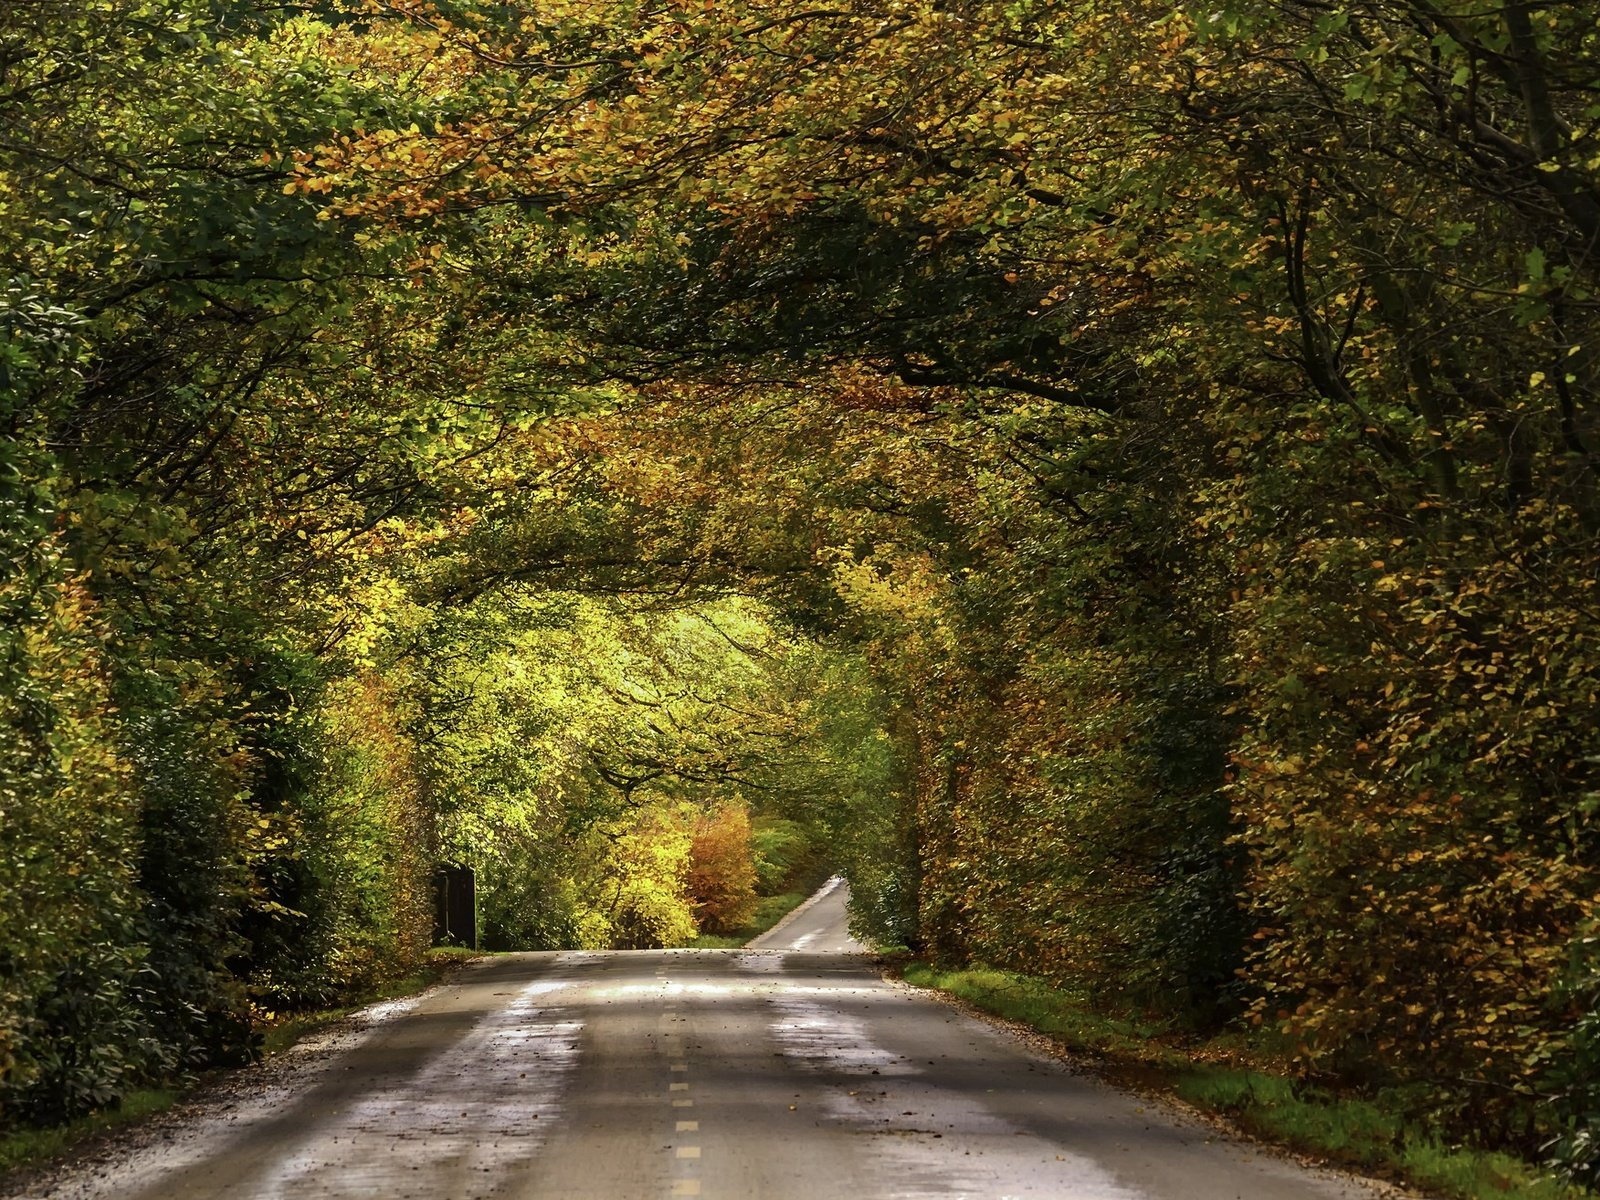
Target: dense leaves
x=1119, y=481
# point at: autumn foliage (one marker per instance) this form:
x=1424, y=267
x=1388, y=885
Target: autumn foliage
x=722, y=871
x=1121, y=478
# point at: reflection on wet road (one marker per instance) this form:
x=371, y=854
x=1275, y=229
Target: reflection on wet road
x=790, y=1069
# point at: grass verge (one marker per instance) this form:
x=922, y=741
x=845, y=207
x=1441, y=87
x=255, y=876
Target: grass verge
x=30, y=1147
x=769, y=911
x=1370, y=1133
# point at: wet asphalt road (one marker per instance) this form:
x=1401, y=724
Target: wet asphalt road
x=789, y=1070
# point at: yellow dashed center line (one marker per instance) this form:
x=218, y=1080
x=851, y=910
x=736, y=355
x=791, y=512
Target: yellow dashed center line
x=672, y=1046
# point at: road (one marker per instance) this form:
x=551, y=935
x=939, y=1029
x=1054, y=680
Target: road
x=786, y=1071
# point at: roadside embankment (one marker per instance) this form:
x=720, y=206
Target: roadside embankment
x=1249, y=1085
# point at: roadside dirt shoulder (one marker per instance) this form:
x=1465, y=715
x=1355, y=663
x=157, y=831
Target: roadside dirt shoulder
x=103, y=1163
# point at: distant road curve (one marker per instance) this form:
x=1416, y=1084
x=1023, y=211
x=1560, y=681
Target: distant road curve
x=821, y=925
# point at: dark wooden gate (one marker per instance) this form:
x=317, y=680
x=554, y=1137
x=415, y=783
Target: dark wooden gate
x=455, y=907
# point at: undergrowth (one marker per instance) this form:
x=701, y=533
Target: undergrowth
x=288, y=1028
x=25, y=1148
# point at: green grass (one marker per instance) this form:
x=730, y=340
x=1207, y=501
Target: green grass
x=30, y=1147
x=1362, y=1132
x=769, y=911
x=1050, y=1010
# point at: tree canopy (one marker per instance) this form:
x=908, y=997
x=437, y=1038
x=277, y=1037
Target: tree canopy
x=1119, y=481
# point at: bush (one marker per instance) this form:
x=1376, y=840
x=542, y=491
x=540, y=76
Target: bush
x=722, y=870
x=1575, y=1072
x=73, y=1030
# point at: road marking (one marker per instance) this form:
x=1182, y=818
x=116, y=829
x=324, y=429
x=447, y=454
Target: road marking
x=680, y=1066
x=688, y=1126
x=686, y=1187
x=688, y=1151
x=677, y=1087
x=683, y=1104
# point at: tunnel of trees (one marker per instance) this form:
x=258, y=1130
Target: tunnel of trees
x=1118, y=480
